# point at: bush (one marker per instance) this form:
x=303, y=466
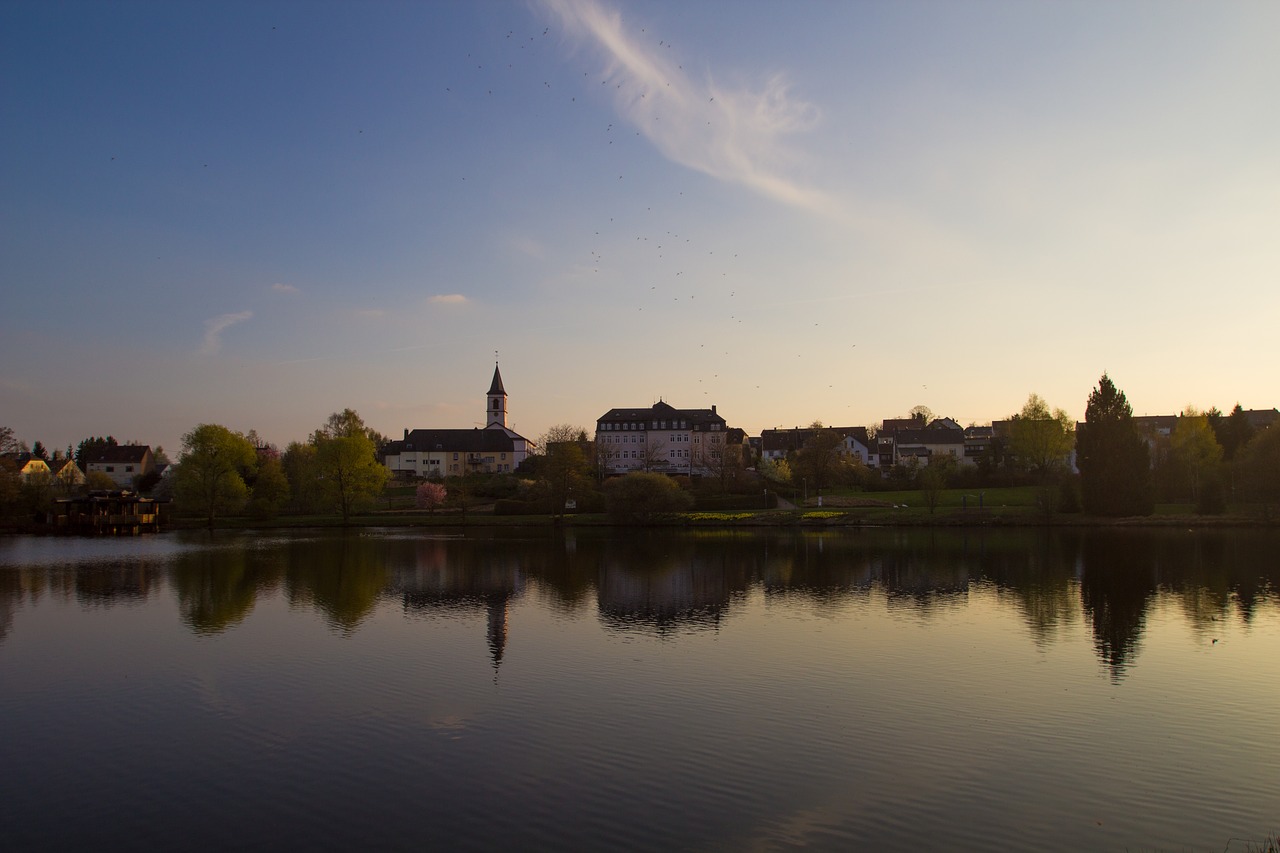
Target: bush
x=1068, y=496
x=639, y=497
x=1212, y=499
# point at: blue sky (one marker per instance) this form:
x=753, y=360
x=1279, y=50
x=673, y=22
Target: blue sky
x=259, y=213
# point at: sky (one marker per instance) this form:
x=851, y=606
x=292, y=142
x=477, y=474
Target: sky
x=259, y=213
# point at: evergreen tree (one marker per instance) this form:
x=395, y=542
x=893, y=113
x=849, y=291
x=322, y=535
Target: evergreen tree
x=1115, y=467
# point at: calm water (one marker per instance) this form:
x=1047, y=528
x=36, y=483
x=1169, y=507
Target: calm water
x=706, y=691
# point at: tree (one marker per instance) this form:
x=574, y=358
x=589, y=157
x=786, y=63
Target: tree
x=270, y=490
x=723, y=461
x=349, y=473
x=921, y=413
x=1233, y=431
x=212, y=469
x=641, y=496
x=430, y=495
x=299, y=465
x=932, y=480
x=38, y=451
x=1115, y=468
x=1195, y=449
x=566, y=470
x=91, y=447
x=1258, y=463
x=98, y=481
x=8, y=442
x=1039, y=439
x=349, y=424
x=820, y=461
x=775, y=470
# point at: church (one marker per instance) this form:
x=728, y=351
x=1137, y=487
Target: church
x=495, y=449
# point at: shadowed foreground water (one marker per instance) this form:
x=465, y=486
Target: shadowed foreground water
x=883, y=690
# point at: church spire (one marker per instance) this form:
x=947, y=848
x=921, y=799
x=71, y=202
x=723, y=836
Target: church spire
x=496, y=402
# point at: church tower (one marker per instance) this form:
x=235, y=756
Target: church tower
x=496, y=407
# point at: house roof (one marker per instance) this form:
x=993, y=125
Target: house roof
x=456, y=441
x=660, y=411
x=928, y=436
x=120, y=453
x=794, y=439
x=1261, y=418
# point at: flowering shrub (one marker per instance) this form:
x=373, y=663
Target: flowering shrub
x=430, y=496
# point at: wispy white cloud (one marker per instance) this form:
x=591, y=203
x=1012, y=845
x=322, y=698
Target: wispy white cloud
x=448, y=299
x=732, y=135
x=280, y=287
x=214, y=327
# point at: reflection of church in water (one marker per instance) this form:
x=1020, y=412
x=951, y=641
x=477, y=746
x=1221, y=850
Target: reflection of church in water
x=447, y=580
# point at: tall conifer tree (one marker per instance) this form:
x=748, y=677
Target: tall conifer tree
x=1115, y=467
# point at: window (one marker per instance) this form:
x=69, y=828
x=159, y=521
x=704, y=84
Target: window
x=128, y=469
x=111, y=469
x=455, y=456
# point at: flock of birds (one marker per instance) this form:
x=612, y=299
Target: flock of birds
x=694, y=280
x=690, y=276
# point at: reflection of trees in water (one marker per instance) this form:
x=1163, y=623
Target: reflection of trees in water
x=343, y=579
x=217, y=589
x=1117, y=583
x=1036, y=571
x=118, y=582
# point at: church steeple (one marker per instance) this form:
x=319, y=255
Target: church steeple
x=496, y=405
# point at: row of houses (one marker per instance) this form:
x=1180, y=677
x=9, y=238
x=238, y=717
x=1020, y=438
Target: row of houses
x=124, y=464
x=696, y=442
x=660, y=437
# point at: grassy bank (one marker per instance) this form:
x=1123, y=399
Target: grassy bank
x=1016, y=506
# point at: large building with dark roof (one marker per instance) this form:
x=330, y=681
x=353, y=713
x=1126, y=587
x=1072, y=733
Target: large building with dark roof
x=661, y=438
x=496, y=449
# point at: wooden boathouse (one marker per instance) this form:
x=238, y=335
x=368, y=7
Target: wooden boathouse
x=107, y=513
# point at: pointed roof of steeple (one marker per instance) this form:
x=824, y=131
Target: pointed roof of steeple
x=496, y=386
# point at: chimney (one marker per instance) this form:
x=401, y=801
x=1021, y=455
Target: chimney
x=713, y=408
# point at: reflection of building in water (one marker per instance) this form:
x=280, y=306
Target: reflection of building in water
x=452, y=578
x=660, y=600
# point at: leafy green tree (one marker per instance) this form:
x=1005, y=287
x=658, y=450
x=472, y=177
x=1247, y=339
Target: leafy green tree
x=1258, y=464
x=98, y=481
x=1195, y=449
x=1115, y=468
x=299, y=465
x=775, y=470
x=349, y=424
x=1039, y=439
x=349, y=473
x=211, y=472
x=270, y=491
x=640, y=496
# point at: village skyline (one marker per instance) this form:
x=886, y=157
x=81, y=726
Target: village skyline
x=257, y=215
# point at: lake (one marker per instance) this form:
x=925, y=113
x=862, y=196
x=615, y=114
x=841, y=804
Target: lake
x=611, y=690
